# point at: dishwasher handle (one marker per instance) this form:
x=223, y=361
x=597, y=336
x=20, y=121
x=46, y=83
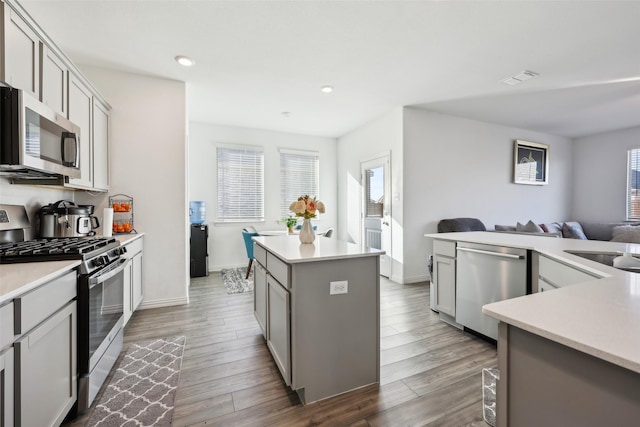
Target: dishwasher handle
x=497, y=254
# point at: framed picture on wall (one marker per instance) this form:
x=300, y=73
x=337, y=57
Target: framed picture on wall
x=530, y=163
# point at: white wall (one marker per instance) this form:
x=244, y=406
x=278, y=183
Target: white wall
x=148, y=156
x=32, y=198
x=226, y=247
x=383, y=135
x=445, y=167
x=456, y=167
x=600, y=175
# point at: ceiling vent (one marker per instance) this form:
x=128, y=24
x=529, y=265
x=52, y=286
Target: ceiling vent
x=519, y=78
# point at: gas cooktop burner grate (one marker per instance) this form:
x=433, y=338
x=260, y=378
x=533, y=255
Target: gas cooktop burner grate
x=55, y=249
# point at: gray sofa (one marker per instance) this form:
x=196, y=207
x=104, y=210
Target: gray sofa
x=628, y=232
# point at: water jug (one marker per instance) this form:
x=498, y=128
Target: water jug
x=197, y=212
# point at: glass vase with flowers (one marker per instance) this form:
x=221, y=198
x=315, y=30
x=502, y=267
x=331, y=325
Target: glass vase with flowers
x=306, y=207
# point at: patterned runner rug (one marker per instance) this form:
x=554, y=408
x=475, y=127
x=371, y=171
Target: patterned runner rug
x=143, y=388
x=234, y=281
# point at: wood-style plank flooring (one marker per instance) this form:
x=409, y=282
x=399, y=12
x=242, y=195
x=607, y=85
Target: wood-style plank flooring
x=430, y=372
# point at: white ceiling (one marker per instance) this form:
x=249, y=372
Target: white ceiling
x=257, y=59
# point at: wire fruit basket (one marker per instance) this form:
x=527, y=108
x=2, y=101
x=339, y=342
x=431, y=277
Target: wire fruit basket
x=122, y=206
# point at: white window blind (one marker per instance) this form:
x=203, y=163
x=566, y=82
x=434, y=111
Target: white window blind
x=298, y=176
x=633, y=185
x=240, y=183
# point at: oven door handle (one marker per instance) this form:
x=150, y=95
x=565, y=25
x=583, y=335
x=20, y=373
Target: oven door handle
x=102, y=277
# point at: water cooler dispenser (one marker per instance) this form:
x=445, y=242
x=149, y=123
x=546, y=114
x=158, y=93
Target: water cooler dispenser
x=199, y=237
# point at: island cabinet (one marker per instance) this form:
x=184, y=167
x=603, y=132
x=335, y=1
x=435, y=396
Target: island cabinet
x=545, y=383
x=318, y=306
x=444, y=276
x=553, y=274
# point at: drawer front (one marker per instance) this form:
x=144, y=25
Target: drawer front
x=278, y=269
x=559, y=275
x=133, y=248
x=6, y=325
x=444, y=247
x=35, y=306
x=260, y=254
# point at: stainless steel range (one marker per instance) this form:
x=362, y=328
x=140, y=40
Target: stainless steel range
x=100, y=292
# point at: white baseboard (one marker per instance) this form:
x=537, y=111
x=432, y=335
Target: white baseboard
x=144, y=305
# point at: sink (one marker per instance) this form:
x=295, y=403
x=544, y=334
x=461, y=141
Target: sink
x=605, y=258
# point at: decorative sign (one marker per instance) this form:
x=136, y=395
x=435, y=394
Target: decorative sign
x=531, y=163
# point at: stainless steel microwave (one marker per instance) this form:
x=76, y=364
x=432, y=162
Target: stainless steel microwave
x=35, y=141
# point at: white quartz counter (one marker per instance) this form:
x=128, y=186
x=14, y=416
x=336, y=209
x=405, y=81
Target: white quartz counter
x=599, y=317
x=289, y=249
x=17, y=279
x=127, y=238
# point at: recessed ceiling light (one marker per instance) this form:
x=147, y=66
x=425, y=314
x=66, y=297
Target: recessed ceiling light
x=522, y=76
x=184, y=61
x=286, y=113
x=327, y=89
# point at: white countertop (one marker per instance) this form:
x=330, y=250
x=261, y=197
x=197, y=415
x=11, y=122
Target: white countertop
x=289, y=249
x=600, y=317
x=17, y=279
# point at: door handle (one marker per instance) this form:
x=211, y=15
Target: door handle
x=496, y=254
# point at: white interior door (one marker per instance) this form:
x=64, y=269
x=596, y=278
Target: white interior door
x=376, y=208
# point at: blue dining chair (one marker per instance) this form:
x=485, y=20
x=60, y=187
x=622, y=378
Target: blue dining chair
x=299, y=227
x=248, y=243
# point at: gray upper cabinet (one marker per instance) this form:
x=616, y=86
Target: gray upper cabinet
x=53, y=80
x=21, y=46
x=80, y=107
x=30, y=60
x=100, y=146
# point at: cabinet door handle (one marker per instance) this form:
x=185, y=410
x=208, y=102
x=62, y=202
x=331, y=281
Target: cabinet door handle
x=497, y=254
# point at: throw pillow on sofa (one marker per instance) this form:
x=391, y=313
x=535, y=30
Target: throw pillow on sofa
x=504, y=228
x=552, y=227
x=573, y=230
x=530, y=227
x=626, y=234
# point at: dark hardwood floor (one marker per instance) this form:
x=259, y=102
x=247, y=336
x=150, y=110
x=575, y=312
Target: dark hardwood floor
x=430, y=372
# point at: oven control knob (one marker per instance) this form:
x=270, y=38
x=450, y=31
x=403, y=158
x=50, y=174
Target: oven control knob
x=123, y=250
x=98, y=261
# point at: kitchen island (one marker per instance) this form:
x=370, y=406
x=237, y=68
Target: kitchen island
x=318, y=306
x=569, y=356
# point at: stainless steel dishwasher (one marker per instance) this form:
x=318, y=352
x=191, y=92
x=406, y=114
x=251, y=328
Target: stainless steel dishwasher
x=486, y=274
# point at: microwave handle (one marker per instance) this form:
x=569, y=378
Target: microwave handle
x=69, y=149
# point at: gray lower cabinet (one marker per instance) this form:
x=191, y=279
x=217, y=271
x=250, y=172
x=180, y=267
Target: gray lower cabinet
x=545, y=383
x=6, y=387
x=132, y=291
x=279, y=326
x=46, y=358
x=260, y=296
x=38, y=365
x=324, y=342
x=444, y=276
x=554, y=274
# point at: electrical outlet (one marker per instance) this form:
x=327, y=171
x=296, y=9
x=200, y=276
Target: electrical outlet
x=341, y=287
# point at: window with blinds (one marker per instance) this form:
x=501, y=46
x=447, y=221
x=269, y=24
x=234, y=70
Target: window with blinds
x=240, y=183
x=633, y=185
x=299, y=175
